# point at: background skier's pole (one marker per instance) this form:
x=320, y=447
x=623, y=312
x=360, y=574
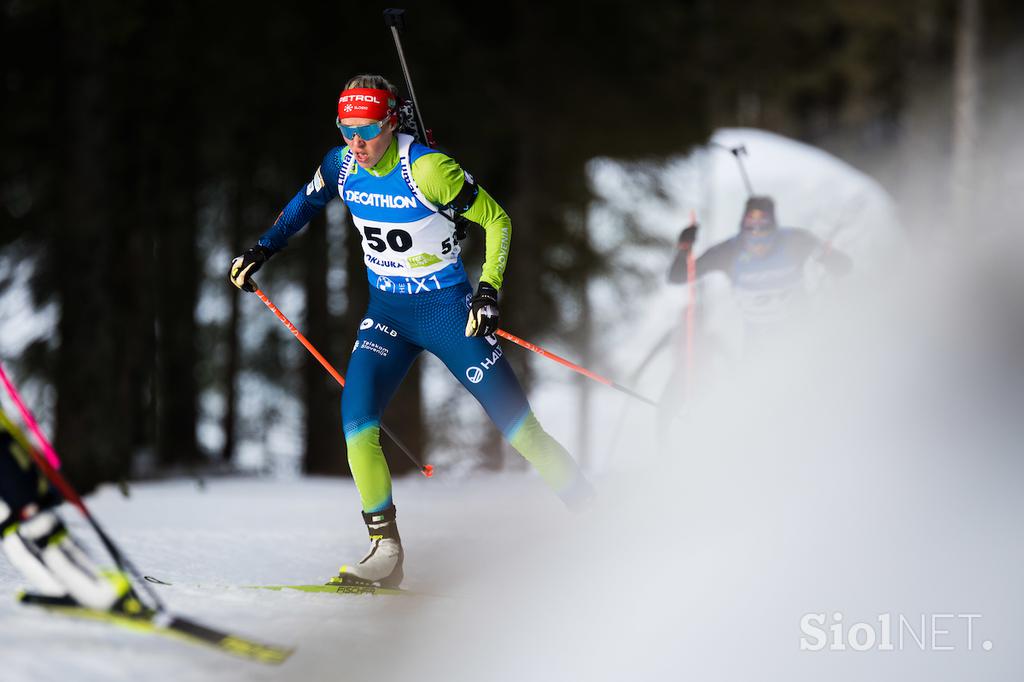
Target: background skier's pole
x=426, y=469
x=737, y=153
x=65, y=488
x=691, y=310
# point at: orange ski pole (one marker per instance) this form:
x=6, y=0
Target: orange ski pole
x=574, y=367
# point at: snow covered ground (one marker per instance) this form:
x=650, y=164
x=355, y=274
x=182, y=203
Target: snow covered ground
x=707, y=583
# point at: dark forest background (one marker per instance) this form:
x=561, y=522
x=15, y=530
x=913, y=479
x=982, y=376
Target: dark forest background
x=140, y=137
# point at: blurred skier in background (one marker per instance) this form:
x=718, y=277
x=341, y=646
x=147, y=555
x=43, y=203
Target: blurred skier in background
x=37, y=542
x=766, y=266
x=420, y=299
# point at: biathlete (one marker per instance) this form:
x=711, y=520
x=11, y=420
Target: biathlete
x=420, y=299
x=765, y=265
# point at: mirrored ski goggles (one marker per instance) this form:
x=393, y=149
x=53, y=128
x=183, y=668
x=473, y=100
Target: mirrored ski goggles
x=365, y=132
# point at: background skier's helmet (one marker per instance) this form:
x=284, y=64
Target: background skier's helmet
x=758, y=215
x=757, y=227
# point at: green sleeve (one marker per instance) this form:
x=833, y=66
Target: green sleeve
x=440, y=178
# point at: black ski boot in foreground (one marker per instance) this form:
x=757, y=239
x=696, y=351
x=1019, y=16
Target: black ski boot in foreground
x=382, y=565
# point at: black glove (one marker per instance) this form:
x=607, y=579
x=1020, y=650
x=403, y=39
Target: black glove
x=483, y=311
x=245, y=266
x=687, y=237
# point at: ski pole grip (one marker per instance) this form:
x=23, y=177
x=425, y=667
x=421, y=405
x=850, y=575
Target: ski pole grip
x=394, y=17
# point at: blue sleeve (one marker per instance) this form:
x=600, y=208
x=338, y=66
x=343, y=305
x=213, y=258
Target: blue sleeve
x=306, y=203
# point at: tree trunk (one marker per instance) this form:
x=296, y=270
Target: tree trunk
x=965, y=112
x=241, y=186
x=99, y=257
x=177, y=262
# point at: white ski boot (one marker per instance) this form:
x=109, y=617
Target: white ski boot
x=382, y=565
x=41, y=548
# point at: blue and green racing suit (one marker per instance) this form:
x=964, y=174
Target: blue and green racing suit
x=419, y=300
